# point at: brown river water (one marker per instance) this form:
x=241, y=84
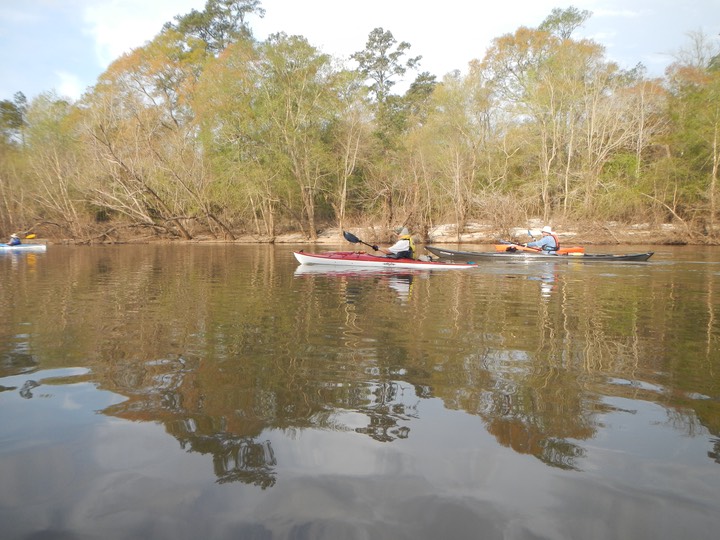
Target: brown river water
x=222, y=391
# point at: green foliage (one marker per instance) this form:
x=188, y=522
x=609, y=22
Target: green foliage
x=220, y=24
x=12, y=118
x=562, y=23
x=204, y=131
x=694, y=111
x=382, y=64
x=620, y=166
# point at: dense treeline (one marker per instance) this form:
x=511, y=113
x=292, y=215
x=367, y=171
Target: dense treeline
x=207, y=131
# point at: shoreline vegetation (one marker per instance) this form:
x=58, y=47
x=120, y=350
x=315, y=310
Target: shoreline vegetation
x=474, y=233
x=206, y=134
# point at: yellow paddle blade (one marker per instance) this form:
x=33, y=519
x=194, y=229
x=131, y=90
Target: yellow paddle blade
x=30, y=236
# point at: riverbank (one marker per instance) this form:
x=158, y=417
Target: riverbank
x=610, y=233
x=478, y=233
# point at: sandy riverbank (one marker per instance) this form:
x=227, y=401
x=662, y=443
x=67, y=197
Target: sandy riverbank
x=610, y=233
x=476, y=233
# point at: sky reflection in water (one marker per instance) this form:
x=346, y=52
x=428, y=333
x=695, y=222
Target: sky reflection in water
x=222, y=393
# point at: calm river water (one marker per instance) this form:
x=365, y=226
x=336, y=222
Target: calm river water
x=221, y=391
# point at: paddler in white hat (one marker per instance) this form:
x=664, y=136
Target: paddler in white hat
x=548, y=242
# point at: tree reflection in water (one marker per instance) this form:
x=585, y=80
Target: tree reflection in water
x=560, y=453
x=231, y=345
x=222, y=409
x=236, y=459
x=715, y=453
x=385, y=414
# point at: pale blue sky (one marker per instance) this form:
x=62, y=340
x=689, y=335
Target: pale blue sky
x=64, y=45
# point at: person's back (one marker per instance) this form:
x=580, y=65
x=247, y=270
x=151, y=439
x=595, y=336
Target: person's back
x=404, y=248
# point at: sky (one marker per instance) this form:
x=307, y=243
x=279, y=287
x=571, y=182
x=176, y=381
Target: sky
x=64, y=45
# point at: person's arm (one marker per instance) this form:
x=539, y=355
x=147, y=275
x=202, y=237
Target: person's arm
x=401, y=245
x=544, y=241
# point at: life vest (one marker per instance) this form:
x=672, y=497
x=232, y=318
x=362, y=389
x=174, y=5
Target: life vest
x=411, y=247
x=557, y=242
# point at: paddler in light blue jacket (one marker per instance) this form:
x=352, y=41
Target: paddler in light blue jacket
x=548, y=242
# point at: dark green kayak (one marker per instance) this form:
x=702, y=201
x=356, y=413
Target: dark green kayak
x=476, y=256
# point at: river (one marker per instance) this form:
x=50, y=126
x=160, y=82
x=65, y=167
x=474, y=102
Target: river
x=222, y=391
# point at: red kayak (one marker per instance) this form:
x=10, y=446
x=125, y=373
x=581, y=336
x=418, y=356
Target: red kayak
x=362, y=259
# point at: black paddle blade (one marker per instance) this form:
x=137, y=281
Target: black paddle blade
x=351, y=237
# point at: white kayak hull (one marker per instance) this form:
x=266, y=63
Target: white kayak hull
x=34, y=248
x=365, y=260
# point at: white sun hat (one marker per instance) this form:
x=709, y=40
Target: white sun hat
x=547, y=229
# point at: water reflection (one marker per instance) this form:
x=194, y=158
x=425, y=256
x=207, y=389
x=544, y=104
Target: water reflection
x=402, y=284
x=236, y=459
x=387, y=412
x=715, y=453
x=547, y=278
x=400, y=280
x=221, y=348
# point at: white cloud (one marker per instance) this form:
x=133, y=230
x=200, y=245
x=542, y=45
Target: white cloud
x=42, y=39
x=619, y=13
x=69, y=85
x=118, y=26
